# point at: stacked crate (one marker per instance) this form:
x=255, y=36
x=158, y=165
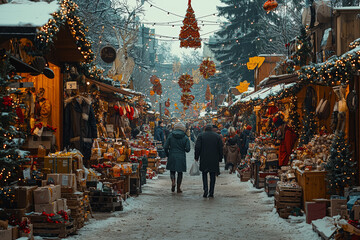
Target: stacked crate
x=105, y=202
x=270, y=185
x=77, y=206
x=41, y=227
x=287, y=197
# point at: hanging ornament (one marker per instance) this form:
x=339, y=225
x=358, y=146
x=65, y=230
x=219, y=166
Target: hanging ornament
x=207, y=68
x=208, y=93
x=175, y=104
x=176, y=67
x=154, y=80
x=189, y=34
x=152, y=92
x=157, y=87
x=167, y=103
x=167, y=112
x=196, y=75
x=270, y=5
x=185, y=82
x=186, y=100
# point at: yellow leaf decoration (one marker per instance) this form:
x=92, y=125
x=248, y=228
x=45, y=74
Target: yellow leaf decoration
x=255, y=62
x=243, y=86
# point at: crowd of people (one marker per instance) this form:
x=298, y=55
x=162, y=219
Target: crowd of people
x=212, y=144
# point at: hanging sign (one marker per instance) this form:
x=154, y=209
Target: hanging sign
x=255, y=62
x=108, y=54
x=71, y=85
x=243, y=86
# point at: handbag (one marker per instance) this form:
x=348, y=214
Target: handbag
x=194, y=170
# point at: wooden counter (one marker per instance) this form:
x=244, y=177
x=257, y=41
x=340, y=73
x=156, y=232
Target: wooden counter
x=313, y=184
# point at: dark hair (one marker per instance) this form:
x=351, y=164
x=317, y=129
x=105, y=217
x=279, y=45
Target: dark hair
x=209, y=128
x=159, y=122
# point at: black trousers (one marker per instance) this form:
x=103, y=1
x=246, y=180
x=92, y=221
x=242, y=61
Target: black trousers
x=212, y=182
x=179, y=179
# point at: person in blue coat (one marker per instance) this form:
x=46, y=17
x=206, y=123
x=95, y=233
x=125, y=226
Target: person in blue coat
x=176, y=146
x=159, y=132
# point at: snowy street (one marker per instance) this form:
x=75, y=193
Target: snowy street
x=238, y=211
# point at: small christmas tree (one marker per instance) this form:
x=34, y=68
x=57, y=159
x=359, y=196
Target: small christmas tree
x=340, y=167
x=309, y=128
x=302, y=49
x=189, y=34
x=10, y=136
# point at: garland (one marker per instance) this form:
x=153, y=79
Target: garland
x=66, y=15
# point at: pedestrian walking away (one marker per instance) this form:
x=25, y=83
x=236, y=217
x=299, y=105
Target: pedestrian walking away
x=232, y=151
x=175, y=148
x=209, y=150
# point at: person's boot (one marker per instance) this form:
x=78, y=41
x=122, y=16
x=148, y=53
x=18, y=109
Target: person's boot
x=173, y=185
x=178, y=186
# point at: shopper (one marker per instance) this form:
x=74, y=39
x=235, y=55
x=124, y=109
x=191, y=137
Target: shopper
x=232, y=151
x=159, y=132
x=209, y=149
x=175, y=147
x=244, y=141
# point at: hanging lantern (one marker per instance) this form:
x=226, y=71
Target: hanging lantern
x=189, y=34
x=270, y=5
x=207, y=68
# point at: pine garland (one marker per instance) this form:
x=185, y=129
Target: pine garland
x=308, y=129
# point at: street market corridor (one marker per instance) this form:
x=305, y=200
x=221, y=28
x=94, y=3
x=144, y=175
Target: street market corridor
x=238, y=211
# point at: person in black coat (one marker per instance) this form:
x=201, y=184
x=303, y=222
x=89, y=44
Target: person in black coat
x=209, y=149
x=159, y=132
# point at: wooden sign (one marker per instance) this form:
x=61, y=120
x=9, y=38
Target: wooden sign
x=108, y=54
x=71, y=85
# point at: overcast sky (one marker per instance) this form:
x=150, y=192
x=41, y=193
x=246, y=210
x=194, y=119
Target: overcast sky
x=178, y=7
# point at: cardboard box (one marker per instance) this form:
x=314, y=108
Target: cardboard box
x=47, y=194
x=24, y=196
x=62, y=204
x=356, y=210
x=6, y=234
x=59, y=164
x=15, y=232
x=46, y=207
x=335, y=206
x=54, y=177
x=17, y=213
x=68, y=180
x=314, y=211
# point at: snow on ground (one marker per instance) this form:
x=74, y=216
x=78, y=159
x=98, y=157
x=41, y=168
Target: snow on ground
x=238, y=211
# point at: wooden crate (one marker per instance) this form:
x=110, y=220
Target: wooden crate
x=43, y=228
x=313, y=184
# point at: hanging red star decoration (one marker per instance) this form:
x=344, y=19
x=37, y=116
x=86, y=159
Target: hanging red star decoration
x=189, y=34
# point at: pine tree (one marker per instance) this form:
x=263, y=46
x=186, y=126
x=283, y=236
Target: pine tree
x=10, y=136
x=294, y=115
x=303, y=49
x=189, y=34
x=340, y=167
x=250, y=31
x=309, y=128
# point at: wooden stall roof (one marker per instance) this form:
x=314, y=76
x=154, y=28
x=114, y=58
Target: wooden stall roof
x=111, y=89
x=278, y=79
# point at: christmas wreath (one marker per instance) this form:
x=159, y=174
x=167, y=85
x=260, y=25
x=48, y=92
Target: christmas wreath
x=207, y=68
x=186, y=100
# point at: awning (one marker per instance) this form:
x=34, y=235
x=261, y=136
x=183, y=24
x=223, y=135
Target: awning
x=111, y=89
x=265, y=92
x=278, y=79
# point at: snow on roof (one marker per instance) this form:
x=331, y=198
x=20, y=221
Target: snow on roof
x=25, y=13
x=347, y=8
x=266, y=92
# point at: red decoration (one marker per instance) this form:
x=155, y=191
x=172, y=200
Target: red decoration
x=187, y=99
x=157, y=87
x=189, y=34
x=185, y=82
x=207, y=68
x=167, y=103
x=7, y=101
x=270, y=5
x=167, y=112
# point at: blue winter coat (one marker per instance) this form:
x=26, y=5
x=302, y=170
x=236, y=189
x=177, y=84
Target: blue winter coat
x=175, y=147
x=159, y=134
